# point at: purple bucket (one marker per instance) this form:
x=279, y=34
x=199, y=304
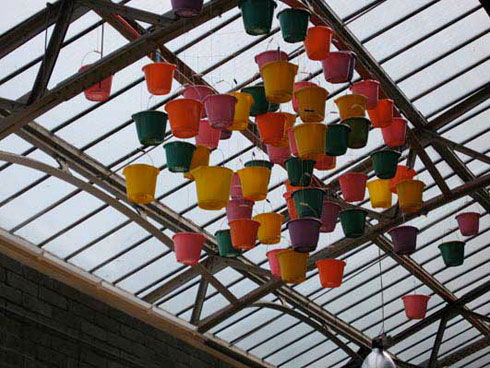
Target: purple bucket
x=304, y=233
x=187, y=8
x=236, y=187
x=404, y=239
x=330, y=215
x=239, y=208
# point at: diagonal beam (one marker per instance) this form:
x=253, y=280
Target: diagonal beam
x=199, y=302
x=222, y=289
x=437, y=343
x=462, y=353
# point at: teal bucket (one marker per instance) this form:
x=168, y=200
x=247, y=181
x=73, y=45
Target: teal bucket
x=353, y=222
x=309, y=202
x=259, y=163
x=150, y=126
x=179, y=156
x=225, y=247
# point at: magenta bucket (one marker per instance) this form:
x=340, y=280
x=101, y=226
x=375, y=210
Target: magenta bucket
x=236, y=187
x=186, y=8
x=304, y=234
x=368, y=88
x=239, y=208
x=270, y=56
x=468, y=223
x=338, y=67
x=208, y=136
x=199, y=92
x=274, y=262
x=297, y=86
x=404, y=239
x=220, y=110
x=278, y=155
x=330, y=215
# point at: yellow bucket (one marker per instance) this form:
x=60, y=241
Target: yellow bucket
x=293, y=266
x=255, y=182
x=351, y=106
x=278, y=79
x=242, y=110
x=270, y=227
x=141, y=182
x=410, y=195
x=380, y=193
x=213, y=186
x=311, y=103
x=200, y=157
x=311, y=140
x=288, y=124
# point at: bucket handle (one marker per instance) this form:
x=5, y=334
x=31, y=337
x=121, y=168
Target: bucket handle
x=311, y=208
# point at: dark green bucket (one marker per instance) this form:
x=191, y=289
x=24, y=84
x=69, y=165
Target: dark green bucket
x=179, y=156
x=261, y=163
x=452, y=253
x=299, y=171
x=309, y=202
x=257, y=16
x=294, y=24
x=225, y=248
x=150, y=126
x=260, y=105
x=385, y=163
x=353, y=222
x=359, y=132
x=337, y=139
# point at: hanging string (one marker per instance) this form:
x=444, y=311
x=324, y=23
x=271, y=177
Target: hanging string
x=382, y=294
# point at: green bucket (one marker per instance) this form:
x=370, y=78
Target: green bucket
x=261, y=163
x=150, y=126
x=353, y=222
x=260, y=105
x=257, y=16
x=452, y=253
x=309, y=202
x=337, y=139
x=359, y=131
x=225, y=248
x=179, y=156
x=385, y=163
x=294, y=24
x=299, y=171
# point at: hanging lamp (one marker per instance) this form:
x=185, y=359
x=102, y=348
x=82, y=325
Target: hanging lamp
x=378, y=357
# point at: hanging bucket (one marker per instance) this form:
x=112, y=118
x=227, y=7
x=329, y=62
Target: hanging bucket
x=184, y=115
x=330, y=215
x=274, y=262
x=402, y=173
x=278, y=155
x=292, y=265
x=278, y=79
x=271, y=127
x=199, y=92
x=291, y=188
x=337, y=139
x=150, y=126
x=236, y=187
x=304, y=234
x=259, y=163
x=159, y=77
x=260, y=105
x=220, y=110
x=255, y=182
x=239, y=208
x=200, y=157
x=297, y=86
x=325, y=162
x=225, y=247
x=379, y=193
x=311, y=103
x=270, y=56
x=382, y=115
x=368, y=88
x=207, y=135
x=338, y=66
x=351, y=106
x=213, y=186
x=294, y=24
x=353, y=222
x=410, y=195
x=385, y=163
x=270, y=227
x=359, y=132
x=415, y=305
x=187, y=247
x=404, y=239
x=452, y=253
x=310, y=139
x=353, y=186
x=317, y=42
x=257, y=16
x=469, y=223
x=331, y=272
x=179, y=156
x=289, y=121
x=244, y=233
x=293, y=214
x=395, y=133
x=299, y=171
x=242, y=110
x=141, y=181
x=100, y=91
x=186, y=8
x=309, y=202
x=292, y=142
x=225, y=134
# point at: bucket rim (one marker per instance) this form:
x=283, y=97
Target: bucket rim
x=153, y=112
x=296, y=10
x=173, y=66
x=331, y=125
x=331, y=259
x=298, y=90
x=409, y=296
x=180, y=143
x=468, y=213
x=452, y=242
x=221, y=231
x=201, y=236
x=242, y=1
x=303, y=219
x=362, y=118
x=182, y=100
x=364, y=81
x=350, y=95
x=403, y=227
x=354, y=210
x=154, y=168
x=386, y=150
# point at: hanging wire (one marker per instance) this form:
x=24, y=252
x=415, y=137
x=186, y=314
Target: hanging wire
x=382, y=294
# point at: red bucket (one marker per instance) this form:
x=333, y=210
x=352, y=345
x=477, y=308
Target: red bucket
x=293, y=146
x=278, y=155
x=274, y=262
x=271, y=127
x=208, y=136
x=325, y=162
x=381, y=116
x=187, y=247
x=99, y=91
x=317, y=42
x=353, y=186
x=469, y=223
x=415, y=305
x=238, y=208
x=394, y=134
x=331, y=272
x=338, y=66
x=368, y=88
x=159, y=77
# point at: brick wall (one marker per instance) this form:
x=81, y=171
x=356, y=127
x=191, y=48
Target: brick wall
x=46, y=324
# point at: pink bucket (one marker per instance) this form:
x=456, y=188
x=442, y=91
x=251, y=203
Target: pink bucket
x=330, y=214
x=415, y=305
x=278, y=155
x=395, y=133
x=220, y=110
x=299, y=85
x=187, y=247
x=236, y=187
x=208, y=136
x=239, y=208
x=338, y=67
x=269, y=56
x=100, y=91
x=292, y=142
x=198, y=92
x=274, y=262
x=469, y=223
x=368, y=88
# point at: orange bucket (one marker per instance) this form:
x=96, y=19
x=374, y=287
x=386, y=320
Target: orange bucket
x=331, y=272
x=382, y=115
x=288, y=124
x=293, y=266
x=200, y=157
x=351, y=106
x=270, y=227
x=271, y=127
x=311, y=103
x=184, y=115
x=317, y=42
x=293, y=214
x=402, y=173
x=243, y=233
x=159, y=77
x=410, y=195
